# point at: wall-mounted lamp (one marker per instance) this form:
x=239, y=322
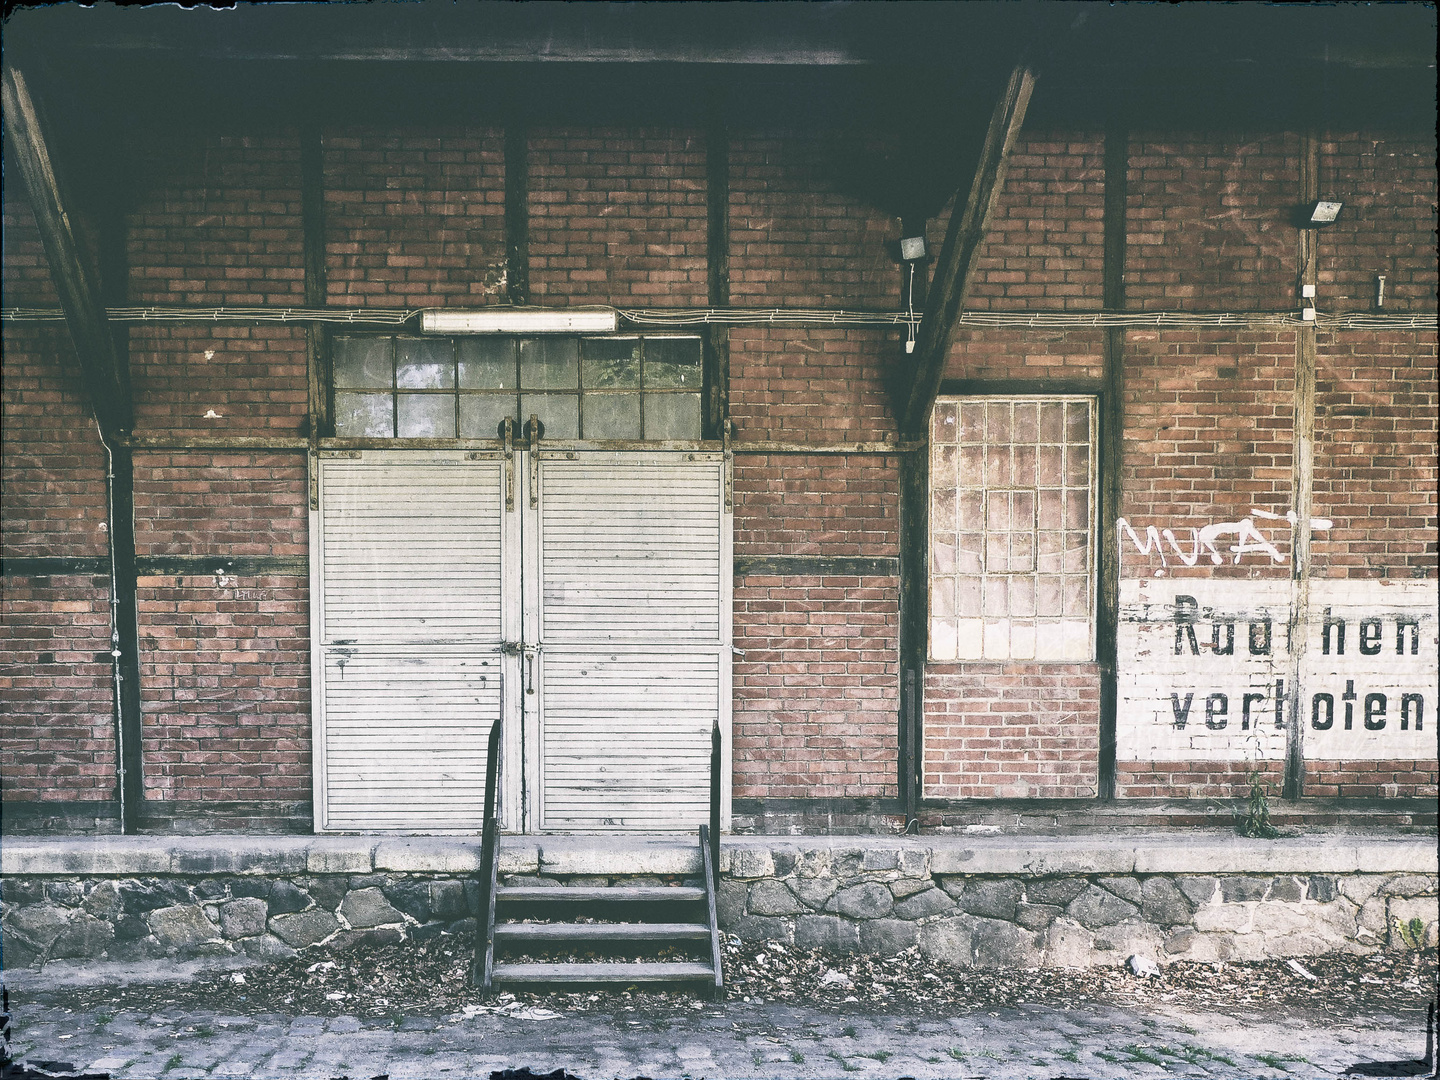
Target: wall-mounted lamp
x=1318, y=214
x=912, y=250
x=521, y=321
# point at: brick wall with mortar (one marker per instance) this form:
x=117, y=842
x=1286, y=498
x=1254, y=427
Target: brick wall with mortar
x=414, y=220
x=617, y=217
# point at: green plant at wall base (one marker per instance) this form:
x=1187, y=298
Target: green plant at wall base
x=1256, y=822
x=1411, y=933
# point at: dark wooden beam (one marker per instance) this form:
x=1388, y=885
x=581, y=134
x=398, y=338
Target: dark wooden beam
x=717, y=271
x=312, y=224
x=102, y=369
x=1111, y=449
x=920, y=379
x=914, y=565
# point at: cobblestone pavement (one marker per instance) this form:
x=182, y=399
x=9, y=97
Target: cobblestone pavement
x=701, y=1039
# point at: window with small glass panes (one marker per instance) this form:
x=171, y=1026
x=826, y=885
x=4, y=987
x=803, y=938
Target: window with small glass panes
x=1012, y=536
x=602, y=389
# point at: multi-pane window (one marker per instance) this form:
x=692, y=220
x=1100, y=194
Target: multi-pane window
x=1012, y=509
x=581, y=388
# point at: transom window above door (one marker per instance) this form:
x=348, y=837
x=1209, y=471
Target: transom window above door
x=610, y=388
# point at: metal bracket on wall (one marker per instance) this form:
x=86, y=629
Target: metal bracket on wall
x=533, y=428
x=314, y=480
x=507, y=432
x=726, y=430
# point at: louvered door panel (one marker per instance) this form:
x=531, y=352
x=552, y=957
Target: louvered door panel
x=412, y=558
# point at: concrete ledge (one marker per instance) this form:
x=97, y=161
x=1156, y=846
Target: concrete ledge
x=1168, y=852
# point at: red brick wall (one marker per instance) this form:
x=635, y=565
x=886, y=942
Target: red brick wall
x=617, y=217
x=1376, y=435
x=1046, y=242
x=1209, y=223
x=24, y=272
x=1388, y=185
x=1200, y=779
x=415, y=220
x=217, y=221
x=800, y=235
x=252, y=377
x=225, y=684
x=224, y=504
x=55, y=690
x=816, y=686
x=1004, y=353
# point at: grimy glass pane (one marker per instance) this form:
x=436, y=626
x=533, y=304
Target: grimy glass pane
x=672, y=363
x=362, y=361
x=972, y=423
x=425, y=416
x=549, y=364
x=672, y=416
x=1027, y=422
x=480, y=415
x=944, y=428
x=487, y=363
x=970, y=467
x=424, y=363
x=607, y=363
x=610, y=416
x=364, y=416
x=560, y=413
x=967, y=597
x=1025, y=466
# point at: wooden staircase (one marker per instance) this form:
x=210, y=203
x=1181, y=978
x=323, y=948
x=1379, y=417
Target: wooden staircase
x=570, y=935
x=562, y=935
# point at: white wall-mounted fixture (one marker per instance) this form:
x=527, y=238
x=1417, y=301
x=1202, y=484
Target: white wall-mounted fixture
x=1379, y=290
x=521, y=321
x=1320, y=213
x=912, y=248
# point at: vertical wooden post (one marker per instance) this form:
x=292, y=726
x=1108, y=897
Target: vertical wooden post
x=312, y=224
x=1302, y=480
x=1112, y=445
x=717, y=266
x=914, y=624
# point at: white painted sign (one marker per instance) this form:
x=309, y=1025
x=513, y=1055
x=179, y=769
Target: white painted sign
x=1204, y=670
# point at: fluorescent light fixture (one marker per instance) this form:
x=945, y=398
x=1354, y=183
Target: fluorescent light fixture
x=521, y=321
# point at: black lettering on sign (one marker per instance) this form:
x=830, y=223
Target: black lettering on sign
x=1315, y=721
x=1338, y=625
x=1229, y=647
x=1181, y=715
x=1417, y=700
x=1349, y=698
x=1280, y=703
x=1374, y=707
x=1401, y=623
x=1186, y=608
x=1245, y=704
x=1217, y=709
x=1369, y=636
x=1260, y=642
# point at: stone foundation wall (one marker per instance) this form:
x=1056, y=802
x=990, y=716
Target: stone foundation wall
x=995, y=902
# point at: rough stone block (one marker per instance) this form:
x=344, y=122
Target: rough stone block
x=243, y=918
x=182, y=927
x=303, y=929
x=1035, y=916
x=248, y=886
x=848, y=862
x=210, y=889
x=876, y=859
x=915, y=862
x=813, y=862
x=1320, y=889
x=868, y=900
x=340, y=855
x=1127, y=888
x=730, y=899
x=65, y=893
x=1055, y=891
x=365, y=908
x=327, y=890
x=1402, y=909
x=907, y=886
x=447, y=900
x=947, y=941
x=991, y=899
x=1409, y=885
x=772, y=898
x=380, y=935
x=816, y=892
x=1359, y=888
x=1069, y=945
x=266, y=947
x=1198, y=890
x=39, y=924
x=922, y=905
x=137, y=897
x=1287, y=889
x=763, y=928
x=784, y=862
x=20, y=891
x=1179, y=942
x=1240, y=888
x=20, y=953
x=888, y=937
x=952, y=886
x=410, y=896
x=286, y=898
x=997, y=944
x=1162, y=903
x=131, y=928
x=827, y=932
x=1095, y=908
x=83, y=938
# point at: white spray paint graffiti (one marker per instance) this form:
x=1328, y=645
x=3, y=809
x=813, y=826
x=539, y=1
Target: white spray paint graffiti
x=1205, y=540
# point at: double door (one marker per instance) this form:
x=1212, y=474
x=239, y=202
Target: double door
x=582, y=598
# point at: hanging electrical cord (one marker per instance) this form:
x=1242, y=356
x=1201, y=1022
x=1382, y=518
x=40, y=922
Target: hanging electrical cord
x=115, y=654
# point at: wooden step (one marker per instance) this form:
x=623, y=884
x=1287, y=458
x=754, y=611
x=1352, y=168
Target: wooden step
x=673, y=971
x=538, y=932
x=574, y=894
